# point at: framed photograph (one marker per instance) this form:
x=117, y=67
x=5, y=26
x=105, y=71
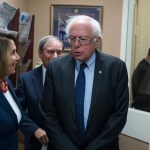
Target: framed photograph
x=61, y=13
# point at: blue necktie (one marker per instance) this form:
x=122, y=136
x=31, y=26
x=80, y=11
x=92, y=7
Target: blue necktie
x=79, y=101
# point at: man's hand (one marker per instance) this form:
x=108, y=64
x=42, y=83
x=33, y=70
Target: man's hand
x=40, y=134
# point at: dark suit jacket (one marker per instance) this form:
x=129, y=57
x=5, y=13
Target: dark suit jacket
x=29, y=90
x=108, y=110
x=9, y=124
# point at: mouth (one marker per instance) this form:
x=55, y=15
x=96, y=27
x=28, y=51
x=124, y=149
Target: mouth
x=77, y=53
x=14, y=65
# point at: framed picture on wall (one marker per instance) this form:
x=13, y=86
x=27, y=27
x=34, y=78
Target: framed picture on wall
x=61, y=13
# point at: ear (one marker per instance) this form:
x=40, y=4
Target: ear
x=97, y=41
x=40, y=54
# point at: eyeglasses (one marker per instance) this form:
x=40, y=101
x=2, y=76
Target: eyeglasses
x=81, y=40
x=52, y=52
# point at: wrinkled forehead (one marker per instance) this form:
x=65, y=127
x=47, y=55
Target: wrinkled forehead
x=53, y=44
x=81, y=29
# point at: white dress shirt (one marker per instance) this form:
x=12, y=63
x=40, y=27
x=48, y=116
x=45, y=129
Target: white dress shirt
x=13, y=104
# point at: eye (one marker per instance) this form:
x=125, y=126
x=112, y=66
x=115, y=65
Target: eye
x=58, y=52
x=83, y=39
x=51, y=51
x=13, y=51
x=72, y=38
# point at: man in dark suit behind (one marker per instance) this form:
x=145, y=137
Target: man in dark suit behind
x=29, y=91
x=106, y=93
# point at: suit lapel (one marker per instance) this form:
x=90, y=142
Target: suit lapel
x=98, y=76
x=38, y=81
x=11, y=89
x=70, y=76
x=5, y=104
x=97, y=83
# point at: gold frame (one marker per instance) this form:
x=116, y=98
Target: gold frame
x=59, y=12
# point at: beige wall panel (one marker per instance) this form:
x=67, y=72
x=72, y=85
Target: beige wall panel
x=142, y=28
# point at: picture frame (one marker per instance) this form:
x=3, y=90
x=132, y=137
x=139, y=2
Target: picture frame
x=60, y=13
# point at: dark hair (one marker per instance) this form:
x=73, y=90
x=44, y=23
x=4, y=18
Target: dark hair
x=9, y=34
x=4, y=45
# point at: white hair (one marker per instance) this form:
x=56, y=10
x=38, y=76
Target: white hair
x=96, y=27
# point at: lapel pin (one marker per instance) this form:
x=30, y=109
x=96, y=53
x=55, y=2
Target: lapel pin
x=100, y=72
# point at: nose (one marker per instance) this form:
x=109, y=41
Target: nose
x=17, y=56
x=77, y=42
x=55, y=55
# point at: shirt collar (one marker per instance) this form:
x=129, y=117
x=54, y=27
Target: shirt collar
x=89, y=62
x=43, y=73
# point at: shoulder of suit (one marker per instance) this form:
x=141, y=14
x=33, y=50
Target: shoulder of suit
x=31, y=72
x=62, y=58
x=109, y=57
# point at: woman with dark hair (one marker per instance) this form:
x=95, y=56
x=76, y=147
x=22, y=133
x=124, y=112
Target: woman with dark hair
x=12, y=116
x=10, y=109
